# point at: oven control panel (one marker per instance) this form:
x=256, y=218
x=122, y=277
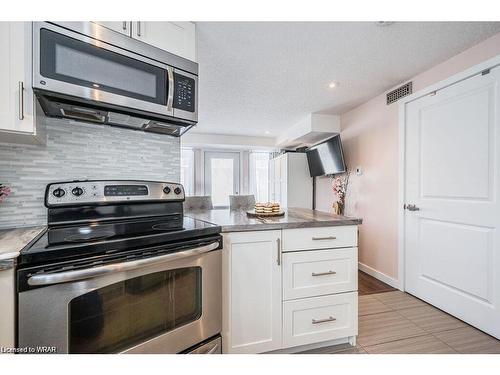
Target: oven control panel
x=101, y=192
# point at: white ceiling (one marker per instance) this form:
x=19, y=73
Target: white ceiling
x=257, y=77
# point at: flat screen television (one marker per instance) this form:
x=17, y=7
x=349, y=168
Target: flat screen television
x=326, y=158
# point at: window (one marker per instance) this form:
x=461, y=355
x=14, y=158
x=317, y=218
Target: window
x=222, y=176
x=259, y=175
x=187, y=170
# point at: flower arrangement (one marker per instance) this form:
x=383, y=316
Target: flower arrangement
x=339, y=187
x=4, y=192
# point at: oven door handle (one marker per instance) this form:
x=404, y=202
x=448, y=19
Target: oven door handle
x=68, y=276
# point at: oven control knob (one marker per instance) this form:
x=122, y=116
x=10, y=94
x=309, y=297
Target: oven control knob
x=77, y=191
x=58, y=193
x=166, y=190
x=177, y=190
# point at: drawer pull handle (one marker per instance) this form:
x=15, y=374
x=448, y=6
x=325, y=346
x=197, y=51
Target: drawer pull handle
x=318, y=321
x=324, y=238
x=323, y=273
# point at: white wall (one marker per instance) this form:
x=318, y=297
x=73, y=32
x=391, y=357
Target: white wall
x=370, y=137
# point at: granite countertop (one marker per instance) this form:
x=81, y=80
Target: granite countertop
x=12, y=241
x=238, y=221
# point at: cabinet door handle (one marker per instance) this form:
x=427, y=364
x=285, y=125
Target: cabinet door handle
x=278, y=242
x=138, y=28
x=323, y=273
x=124, y=25
x=21, y=100
x=324, y=238
x=318, y=321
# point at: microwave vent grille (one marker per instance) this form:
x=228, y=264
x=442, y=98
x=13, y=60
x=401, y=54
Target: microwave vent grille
x=83, y=115
x=399, y=92
x=162, y=128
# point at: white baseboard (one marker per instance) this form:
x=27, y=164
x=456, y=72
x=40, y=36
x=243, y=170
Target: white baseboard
x=379, y=275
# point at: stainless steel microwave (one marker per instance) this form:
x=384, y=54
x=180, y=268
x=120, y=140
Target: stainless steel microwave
x=86, y=72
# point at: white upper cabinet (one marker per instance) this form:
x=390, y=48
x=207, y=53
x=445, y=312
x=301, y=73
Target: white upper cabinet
x=16, y=96
x=178, y=38
x=122, y=27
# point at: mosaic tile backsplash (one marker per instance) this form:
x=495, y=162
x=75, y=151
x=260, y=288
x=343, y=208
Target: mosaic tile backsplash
x=80, y=151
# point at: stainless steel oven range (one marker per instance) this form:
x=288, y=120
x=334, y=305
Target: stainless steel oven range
x=121, y=270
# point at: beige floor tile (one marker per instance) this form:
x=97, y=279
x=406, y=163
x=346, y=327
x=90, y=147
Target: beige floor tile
x=370, y=305
x=336, y=349
x=415, y=345
x=355, y=350
x=469, y=340
x=398, y=300
x=431, y=319
x=385, y=327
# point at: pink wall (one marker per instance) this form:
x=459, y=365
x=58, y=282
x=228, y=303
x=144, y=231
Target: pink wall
x=370, y=137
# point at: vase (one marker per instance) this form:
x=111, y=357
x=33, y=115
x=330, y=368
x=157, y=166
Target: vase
x=338, y=208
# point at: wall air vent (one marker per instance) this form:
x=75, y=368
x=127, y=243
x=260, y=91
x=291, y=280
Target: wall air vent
x=398, y=93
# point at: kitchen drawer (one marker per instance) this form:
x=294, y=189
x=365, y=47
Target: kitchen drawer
x=317, y=319
x=319, y=272
x=320, y=238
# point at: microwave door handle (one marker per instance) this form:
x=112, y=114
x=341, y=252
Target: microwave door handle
x=68, y=276
x=170, y=88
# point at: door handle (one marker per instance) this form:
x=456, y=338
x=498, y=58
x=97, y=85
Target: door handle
x=139, y=28
x=21, y=100
x=278, y=259
x=170, y=88
x=64, y=277
x=411, y=207
x=124, y=25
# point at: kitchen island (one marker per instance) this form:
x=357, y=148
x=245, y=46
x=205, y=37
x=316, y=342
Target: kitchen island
x=289, y=283
x=239, y=221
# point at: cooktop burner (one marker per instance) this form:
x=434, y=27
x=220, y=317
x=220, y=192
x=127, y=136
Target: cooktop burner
x=109, y=217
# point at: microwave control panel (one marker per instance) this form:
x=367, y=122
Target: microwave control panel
x=184, y=92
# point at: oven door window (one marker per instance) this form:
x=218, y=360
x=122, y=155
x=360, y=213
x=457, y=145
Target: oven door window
x=124, y=314
x=72, y=61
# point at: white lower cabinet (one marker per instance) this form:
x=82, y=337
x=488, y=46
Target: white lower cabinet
x=8, y=305
x=320, y=238
x=317, y=319
x=319, y=272
x=251, y=292
x=275, y=300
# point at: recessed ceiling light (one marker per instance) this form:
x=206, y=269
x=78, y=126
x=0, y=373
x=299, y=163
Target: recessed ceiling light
x=333, y=84
x=267, y=132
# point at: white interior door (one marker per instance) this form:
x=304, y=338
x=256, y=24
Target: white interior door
x=222, y=176
x=452, y=247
